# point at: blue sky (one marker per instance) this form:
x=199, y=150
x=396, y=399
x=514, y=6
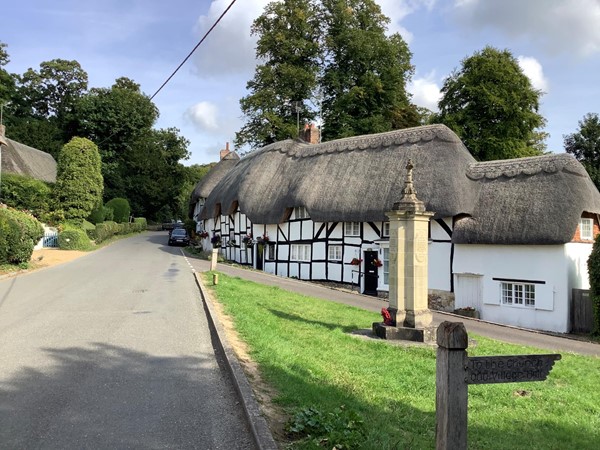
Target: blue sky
x=557, y=43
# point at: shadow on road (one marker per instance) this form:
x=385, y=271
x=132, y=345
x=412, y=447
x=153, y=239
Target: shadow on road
x=105, y=396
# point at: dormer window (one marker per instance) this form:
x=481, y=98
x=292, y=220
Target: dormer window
x=586, y=229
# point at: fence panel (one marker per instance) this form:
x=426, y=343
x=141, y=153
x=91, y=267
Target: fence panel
x=50, y=239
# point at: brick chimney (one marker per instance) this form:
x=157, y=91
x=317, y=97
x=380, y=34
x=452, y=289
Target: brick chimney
x=311, y=133
x=224, y=152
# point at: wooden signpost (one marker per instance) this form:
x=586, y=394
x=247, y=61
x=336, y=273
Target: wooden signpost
x=455, y=370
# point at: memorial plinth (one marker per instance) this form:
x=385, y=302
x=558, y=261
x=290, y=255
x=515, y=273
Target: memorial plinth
x=408, y=266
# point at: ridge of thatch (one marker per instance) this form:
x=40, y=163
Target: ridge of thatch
x=351, y=179
x=23, y=160
x=535, y=200
x=205, y=186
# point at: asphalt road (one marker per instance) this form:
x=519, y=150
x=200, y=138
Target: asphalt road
x=113, y=350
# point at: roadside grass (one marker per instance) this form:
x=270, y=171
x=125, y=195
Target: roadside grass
x=351, y=392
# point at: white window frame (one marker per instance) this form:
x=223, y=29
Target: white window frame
x=385, y=232
x=300, y=212
x=586, y=229
x=270, y=251
x=352, y=228
x=334, y=253
x=520, y=295
x=386, y=265
x=300, y=252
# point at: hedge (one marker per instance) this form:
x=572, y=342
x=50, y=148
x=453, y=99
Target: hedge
x=73, y=239
x=19, y=232
x=26, y=193
x=594, y=276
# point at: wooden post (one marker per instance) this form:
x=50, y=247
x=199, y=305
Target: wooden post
x=213, y=261
x=451, y=395
x=215, y=279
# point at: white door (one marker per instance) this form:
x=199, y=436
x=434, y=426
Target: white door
x=468, y=290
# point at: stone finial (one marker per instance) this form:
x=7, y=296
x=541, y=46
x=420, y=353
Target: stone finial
x=409, y=200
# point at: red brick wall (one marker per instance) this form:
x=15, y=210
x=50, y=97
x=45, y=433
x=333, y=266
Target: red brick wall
x=577, y=236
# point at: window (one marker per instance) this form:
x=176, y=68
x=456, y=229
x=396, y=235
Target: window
x=335, y=253
x=586, y=229
x=386, y=228
x=300, y=252
x=270, y=252
x=386, y=265
x=518, y=294
x=352, y=228
x=300, y=213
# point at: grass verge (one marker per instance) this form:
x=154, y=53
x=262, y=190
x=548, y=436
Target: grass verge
x=342, y=391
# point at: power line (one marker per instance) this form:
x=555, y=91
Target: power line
x=193, y=50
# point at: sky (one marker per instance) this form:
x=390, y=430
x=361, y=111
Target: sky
x=557, y=44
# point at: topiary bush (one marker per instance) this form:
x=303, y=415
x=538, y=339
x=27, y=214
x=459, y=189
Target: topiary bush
x=106, y=230
x=73, y=239
x=121, y=209
x=19, y=232
x=594, y=276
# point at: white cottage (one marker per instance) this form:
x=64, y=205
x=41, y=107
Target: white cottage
x=503, y=237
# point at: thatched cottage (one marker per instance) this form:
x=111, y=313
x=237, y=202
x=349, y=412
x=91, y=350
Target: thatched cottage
x=27, y=161
x=509, y=238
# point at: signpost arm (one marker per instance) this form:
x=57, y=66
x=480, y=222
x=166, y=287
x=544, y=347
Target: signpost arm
x=451, y=387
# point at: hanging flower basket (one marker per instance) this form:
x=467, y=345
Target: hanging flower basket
x=203, y=235
x=247, y=240
x=377, y=263
x=355, y=262
x=215, y=240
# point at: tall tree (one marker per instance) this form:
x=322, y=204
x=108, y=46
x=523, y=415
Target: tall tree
x=115, y=118
x=79, y=184
x=493, y=107
x=288, y=48
x=365, y=73
x=155, y=176
x=7, y=82
x=584, y=144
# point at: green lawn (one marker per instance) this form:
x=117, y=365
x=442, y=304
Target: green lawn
x=368, y=394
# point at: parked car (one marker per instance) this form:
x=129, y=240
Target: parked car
x=179, y=237
x=170, y=225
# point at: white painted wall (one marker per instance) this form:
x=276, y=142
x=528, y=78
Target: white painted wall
x=577, y=256
x=520, y=262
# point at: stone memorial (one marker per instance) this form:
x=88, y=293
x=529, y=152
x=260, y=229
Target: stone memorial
x=408, y=259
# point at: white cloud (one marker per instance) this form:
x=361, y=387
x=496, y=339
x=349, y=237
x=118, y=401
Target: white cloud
x=203, y=116
x=425, y=92
x=229, y=49
x=533, y=69
x=397, y=10
x=569, y=26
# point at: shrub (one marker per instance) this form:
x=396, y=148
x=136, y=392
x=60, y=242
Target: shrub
x=26, y=193
x=105, y=230
x=121, y=209
x=73, y=239
x=141, y=222
x=19, y=232
x=79, y=183
x=594, y=275
x=97, y=215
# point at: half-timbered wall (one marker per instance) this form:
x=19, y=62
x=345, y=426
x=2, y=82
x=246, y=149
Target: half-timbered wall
x=302, y=249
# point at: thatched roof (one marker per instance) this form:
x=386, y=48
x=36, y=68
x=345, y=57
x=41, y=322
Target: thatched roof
x=536, y=200
x=352, y=179
x=206, y=185
x=23, y=160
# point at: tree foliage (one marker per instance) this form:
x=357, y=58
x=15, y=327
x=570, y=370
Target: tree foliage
x=365, y=74
x=492, y=106
x=288, y=48
x=594, y=275
x=115, y=118
x=584, y=144
x=79, y=185
x=121, y=209
x=330, y=57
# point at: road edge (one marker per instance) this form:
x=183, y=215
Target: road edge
x=260, y=430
